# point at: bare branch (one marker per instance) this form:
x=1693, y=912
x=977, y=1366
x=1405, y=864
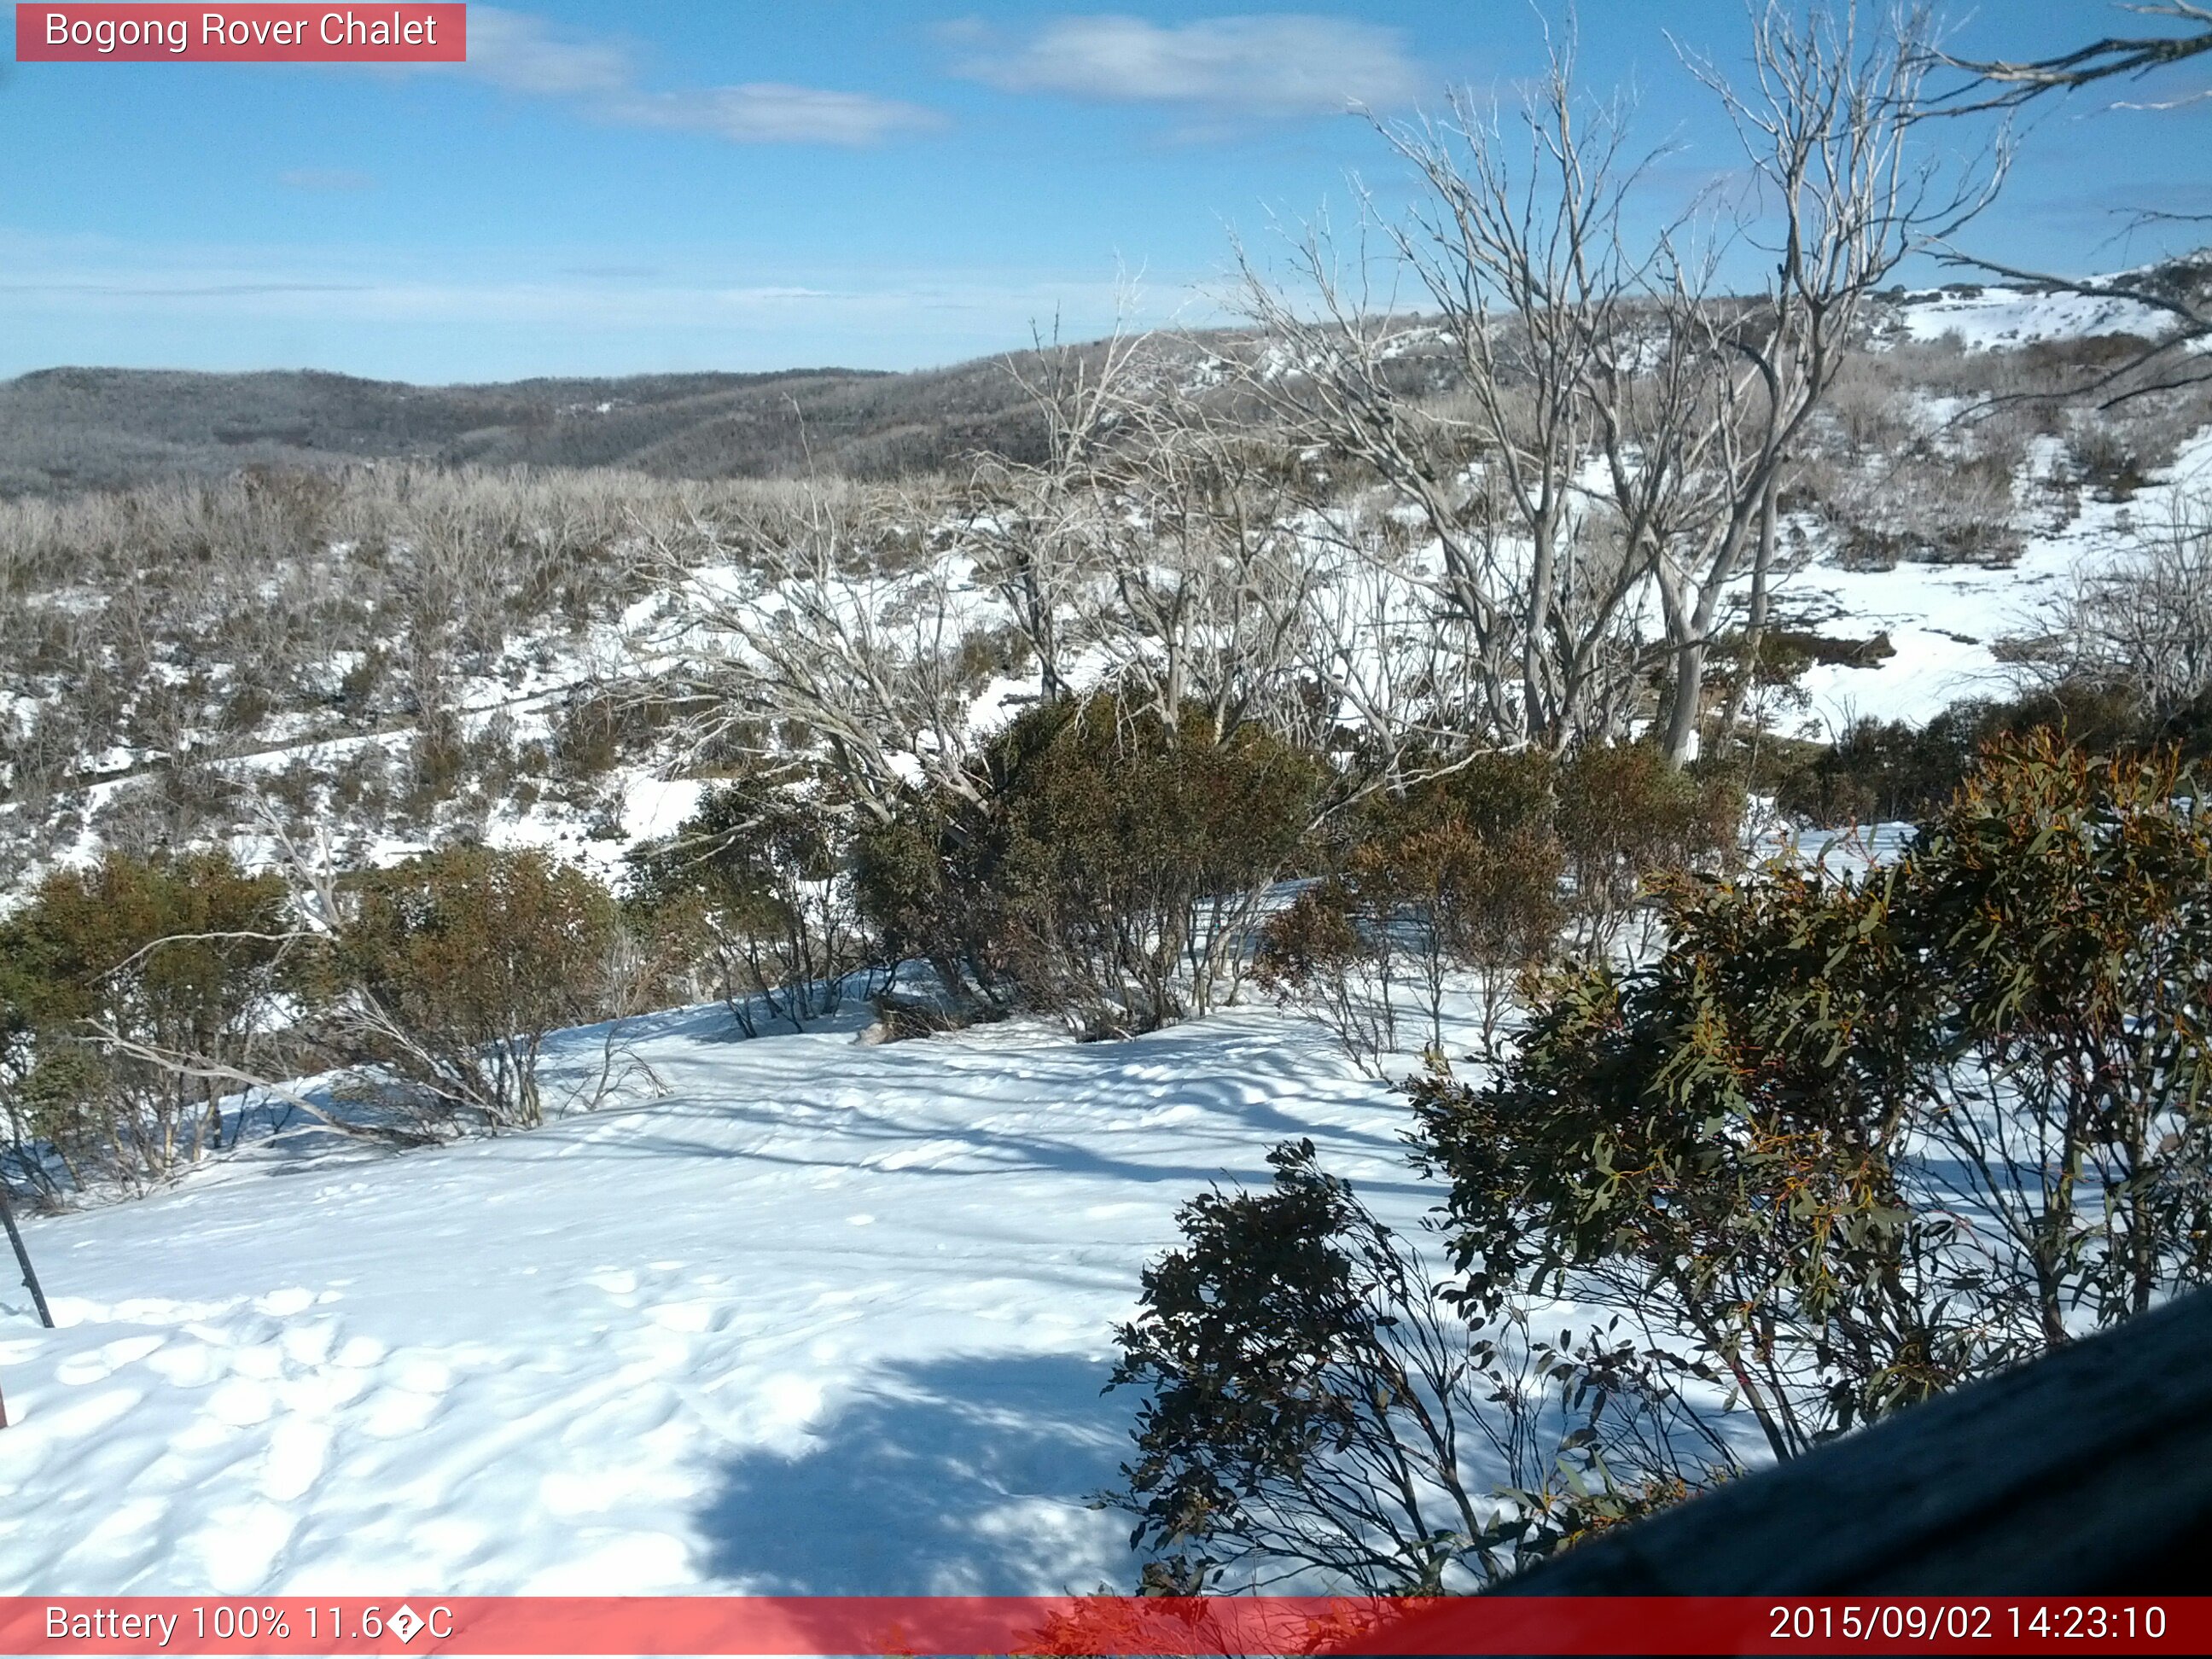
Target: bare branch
x=2000, y=83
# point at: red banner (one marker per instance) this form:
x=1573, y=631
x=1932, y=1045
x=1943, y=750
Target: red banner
x=75, y=31
x=1219, y=1625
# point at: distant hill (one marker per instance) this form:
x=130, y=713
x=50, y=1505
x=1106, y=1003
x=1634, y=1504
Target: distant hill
x=64, y=429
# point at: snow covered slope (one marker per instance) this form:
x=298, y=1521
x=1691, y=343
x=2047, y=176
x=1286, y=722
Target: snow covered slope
x=1991, y=318
x=1946, y=620
x=824, y=1317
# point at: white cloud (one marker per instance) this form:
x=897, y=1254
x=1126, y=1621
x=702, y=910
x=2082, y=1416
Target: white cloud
x=769, y=113
x=1278, y=65
x=522, y=54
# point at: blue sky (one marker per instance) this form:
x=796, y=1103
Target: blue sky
x=718, y=184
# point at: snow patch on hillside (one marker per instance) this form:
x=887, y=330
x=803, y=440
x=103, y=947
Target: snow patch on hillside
x=1946, y=619
x=1990, y=318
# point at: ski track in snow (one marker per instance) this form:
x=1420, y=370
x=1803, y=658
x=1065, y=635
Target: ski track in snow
x=824, y=1318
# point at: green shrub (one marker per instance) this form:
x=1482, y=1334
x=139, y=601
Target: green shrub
x=1890, y=771
x=1477, y=872
x=1343, y=965
x=105, y=973
x=918, y=878
x=1419, y=899
x=1861, y=1139
x=447, y=974
x=1311, y=1403
x=1625, y=816
x=1882, y=771
x=762, y=879
x=594, y=733
x=1843, y=1145
x=1498, y=795
x=1132, y=860
x=1103, y=866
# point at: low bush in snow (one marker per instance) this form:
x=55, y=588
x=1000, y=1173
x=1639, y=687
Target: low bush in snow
x=440, y=979
x=1314, y=1403
x=757, y=884
x=1460, y=874
x=1843, y=1144
x=105, y=975
x=1892, y=771
x=1488, y=873
x=1104, y=864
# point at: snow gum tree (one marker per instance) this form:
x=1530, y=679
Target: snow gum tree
x=1529, y=284
x=1847, y=185
x=1612, y=425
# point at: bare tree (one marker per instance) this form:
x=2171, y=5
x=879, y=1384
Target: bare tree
x=2180, y=295
x=2001, y=83
x=1031, y=528
x=1206, y=571
x=1390, y=668
x=825, y=623
x=1613, y=422
x=2141, y=623
x=1521, y=260
x=1830, y=117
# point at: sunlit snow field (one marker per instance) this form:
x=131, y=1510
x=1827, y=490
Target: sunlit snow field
x=826, y=1317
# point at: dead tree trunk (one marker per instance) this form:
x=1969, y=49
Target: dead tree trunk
x=30, y=1279
x=23, y=1260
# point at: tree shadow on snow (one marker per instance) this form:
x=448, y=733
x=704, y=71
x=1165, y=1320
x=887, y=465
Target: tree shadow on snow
x=1242, y=1141
x=969, y=1476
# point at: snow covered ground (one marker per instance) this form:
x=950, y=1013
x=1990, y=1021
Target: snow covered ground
x=1946, y=619
x=1993, y=317
x=823, y=1318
